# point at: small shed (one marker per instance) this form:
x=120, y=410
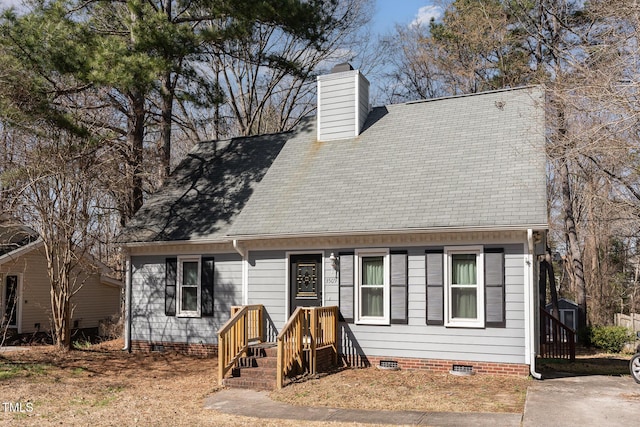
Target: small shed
x=569, y=312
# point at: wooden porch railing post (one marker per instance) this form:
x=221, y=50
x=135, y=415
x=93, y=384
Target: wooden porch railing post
x=335, y=335
x=313, y=334
x=234, y=336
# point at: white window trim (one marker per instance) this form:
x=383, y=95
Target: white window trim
x=458, y=322
x=179, y=311
x=386, y=295
x=3, y=294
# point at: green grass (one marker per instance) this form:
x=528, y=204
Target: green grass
x=10, y=370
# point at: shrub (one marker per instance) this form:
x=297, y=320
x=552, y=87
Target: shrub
x=610, y=338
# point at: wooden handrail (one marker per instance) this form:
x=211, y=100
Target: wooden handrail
x=557, y=340
x=246, y=324
x=308, y=329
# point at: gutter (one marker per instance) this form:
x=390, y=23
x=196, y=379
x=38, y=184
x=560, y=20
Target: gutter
x=239, y=249
x=530, y=329
x=402, y=231
x=127, y=304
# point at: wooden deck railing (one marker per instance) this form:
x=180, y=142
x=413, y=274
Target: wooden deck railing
x=245, y=325
x=308, y=330
x=557, y=340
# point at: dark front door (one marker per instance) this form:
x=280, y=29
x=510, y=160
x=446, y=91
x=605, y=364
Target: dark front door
x=305, y=281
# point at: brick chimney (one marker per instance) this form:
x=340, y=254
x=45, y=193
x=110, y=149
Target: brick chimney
x=343, y=103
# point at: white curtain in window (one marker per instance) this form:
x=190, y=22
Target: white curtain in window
x=464, y=298
x=189, y=286
x=372, y=286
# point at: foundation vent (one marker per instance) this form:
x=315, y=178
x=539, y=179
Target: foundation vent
x=390, y=365
x=462, y=370
x=159, y=348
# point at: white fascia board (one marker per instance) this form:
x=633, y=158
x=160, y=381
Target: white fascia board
x=433, y=230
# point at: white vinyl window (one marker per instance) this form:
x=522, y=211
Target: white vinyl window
x=188, y=287
x=373, y=293
x=464, y=294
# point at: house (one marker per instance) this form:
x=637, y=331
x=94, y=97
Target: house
x=25, y=304
x=420, y=221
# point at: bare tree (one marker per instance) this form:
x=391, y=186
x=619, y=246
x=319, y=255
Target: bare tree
x=56, y=190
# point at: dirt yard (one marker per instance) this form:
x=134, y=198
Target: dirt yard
x=102, y=386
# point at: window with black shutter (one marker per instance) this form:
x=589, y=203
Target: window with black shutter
x=346, y=296
x=435, y=287
x=207, y=287
x=494, y=288
x=170, y=281
x=399, y=287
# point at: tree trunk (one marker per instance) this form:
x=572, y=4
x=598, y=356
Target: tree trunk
x=574, y=254
x=165, y=124
x=136, y=144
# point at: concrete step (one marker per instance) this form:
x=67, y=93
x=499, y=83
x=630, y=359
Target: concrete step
x=250, y=383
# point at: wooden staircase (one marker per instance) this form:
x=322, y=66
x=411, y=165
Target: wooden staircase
x=245, y=360
x=257, y=370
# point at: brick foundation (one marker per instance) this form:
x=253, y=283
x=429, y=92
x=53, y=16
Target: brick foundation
x=324, y=359
x=206, y=350
x=437, y=365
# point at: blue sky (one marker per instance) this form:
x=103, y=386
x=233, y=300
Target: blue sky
x=388, y=12
x=403, y=12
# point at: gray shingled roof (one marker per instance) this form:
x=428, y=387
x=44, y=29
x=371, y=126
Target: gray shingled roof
x=471, y=161
x=13, y=236
x=206, y=191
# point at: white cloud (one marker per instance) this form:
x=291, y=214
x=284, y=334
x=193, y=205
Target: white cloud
x=425, y=14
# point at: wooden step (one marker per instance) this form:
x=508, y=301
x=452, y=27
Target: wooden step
x=256, y=370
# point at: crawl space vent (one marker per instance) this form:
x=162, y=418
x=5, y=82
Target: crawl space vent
x=391, y=365
x=462, y=370
x=159, y=348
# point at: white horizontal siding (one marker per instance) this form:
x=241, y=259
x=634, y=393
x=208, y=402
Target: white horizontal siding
x=149, y=323
x=267, y=286
x=93, y=302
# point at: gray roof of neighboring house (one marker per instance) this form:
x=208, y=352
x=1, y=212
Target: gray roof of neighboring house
x=474, y=161
x=14, y=236
x=206, y=191
x=471, y=161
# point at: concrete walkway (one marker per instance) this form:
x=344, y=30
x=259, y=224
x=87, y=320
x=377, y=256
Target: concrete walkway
x=257, y=404
x=572, y=401
x=594, y=400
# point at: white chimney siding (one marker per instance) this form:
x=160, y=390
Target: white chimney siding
x=343, y=105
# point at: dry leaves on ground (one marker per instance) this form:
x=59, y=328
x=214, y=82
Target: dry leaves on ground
x=372, y=388
x=103, y=386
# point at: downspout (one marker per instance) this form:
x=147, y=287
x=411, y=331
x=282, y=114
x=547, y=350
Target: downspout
x=530, y=329
x=127, y=303
x=245, y=270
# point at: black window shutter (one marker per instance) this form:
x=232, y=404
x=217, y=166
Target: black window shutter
x=346, y=286
x=435, y=287
x=206, y=287
x=494, y=288
x=170, y=277
x=399, y=288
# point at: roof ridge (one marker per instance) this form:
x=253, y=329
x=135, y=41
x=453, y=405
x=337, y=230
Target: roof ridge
x=467, y=95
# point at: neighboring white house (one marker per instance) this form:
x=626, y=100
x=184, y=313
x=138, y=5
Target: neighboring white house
x=420, y=220
x=25, y=302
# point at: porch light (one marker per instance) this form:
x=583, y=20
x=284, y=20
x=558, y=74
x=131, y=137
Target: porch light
x=334, y=261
